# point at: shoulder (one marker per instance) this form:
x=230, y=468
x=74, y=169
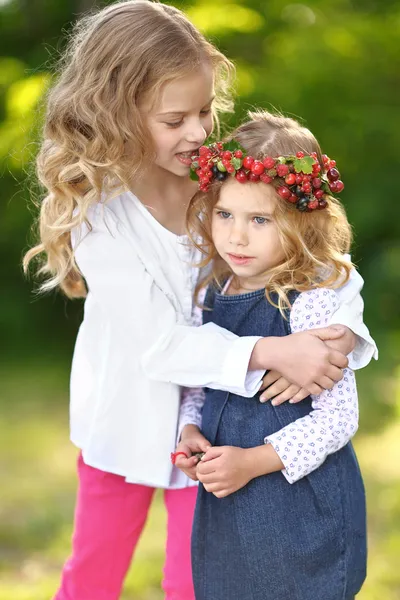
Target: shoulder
x=313, y=309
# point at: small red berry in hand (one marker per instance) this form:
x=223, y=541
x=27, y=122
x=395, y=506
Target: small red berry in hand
x=203, y=150
x=257, y=167
x=247, y=162
x=284, y=192
x=227, y=155
x=269, y=162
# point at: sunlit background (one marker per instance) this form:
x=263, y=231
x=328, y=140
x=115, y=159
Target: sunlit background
x=336, y=64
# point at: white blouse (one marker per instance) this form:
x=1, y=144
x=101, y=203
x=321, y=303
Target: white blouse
x=136, y=345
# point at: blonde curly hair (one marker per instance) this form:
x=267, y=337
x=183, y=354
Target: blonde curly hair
x=313, y=242
x=115, y=57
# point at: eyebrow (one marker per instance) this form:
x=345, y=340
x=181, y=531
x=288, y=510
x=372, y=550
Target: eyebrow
x=178, y=113
x=249, y=214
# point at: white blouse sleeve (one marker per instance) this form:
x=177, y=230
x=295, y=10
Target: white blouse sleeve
x=304, y=444
x=143, y=320
x=349, y=312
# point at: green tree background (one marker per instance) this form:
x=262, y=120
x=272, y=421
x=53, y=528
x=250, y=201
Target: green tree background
x=334, y=63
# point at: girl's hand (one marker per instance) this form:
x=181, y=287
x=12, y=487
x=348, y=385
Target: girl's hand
x=303, y=358
x=281, y=389
x=225, y=469
x=192, y=442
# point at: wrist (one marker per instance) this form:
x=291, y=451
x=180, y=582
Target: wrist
x=189, y=430
x=264, y=460
x=264, y=353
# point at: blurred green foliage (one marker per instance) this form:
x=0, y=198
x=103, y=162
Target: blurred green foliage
x=333, y=63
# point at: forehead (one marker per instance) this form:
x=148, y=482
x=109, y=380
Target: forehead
x=180, y=95
x=248, y=197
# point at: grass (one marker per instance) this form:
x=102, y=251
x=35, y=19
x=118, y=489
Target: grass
x=37, y=468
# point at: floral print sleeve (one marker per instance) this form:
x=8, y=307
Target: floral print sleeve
x=304, y=444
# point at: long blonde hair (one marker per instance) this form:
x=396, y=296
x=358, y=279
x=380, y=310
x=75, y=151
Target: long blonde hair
x=115, y=57
x=313, y=242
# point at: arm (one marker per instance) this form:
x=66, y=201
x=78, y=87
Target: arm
x=349, y=312
x=303, y=446
x=144, y=320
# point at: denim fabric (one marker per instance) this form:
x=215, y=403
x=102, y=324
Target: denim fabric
x=272, y=540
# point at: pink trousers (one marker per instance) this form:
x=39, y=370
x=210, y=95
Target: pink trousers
x=109, y=518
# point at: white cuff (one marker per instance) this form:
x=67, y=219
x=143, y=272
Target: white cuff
x=235, y=376
x=285, y=472
x=365, y=349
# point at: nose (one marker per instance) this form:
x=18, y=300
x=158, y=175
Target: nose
x=196, y=133
x=238, y=235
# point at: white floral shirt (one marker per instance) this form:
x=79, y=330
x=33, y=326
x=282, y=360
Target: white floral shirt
x=304, y=444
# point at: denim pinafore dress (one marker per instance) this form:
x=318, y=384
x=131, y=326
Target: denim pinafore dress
x=273, y=540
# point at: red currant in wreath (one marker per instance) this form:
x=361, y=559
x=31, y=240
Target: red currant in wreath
x=241, y=176
x=300, y=154
x=284, y=192
x=299, y=179
x=282, y=170
x=293, y=198
x=247, y=162
x=265, y=178
x=313, y=204
x=319, y=194
x=238, y=154
x=290, y=179
x=254, y=177
x=333, y=174
x=268, y=162
x=257, y=167
x=316, y=182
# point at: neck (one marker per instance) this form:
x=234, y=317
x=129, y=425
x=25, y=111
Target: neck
x=166, y=196
x=244, y=285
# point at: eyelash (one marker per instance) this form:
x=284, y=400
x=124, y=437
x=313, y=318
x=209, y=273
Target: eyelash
x=225, y=215
x=179, y=123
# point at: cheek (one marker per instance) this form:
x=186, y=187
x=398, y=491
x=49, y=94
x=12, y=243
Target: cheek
x=209, y=125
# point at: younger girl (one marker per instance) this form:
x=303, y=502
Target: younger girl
x=136, y=95
x=277, y=237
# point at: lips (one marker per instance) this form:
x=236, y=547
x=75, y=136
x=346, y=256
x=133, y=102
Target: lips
x=186, y=157
x=240, y=259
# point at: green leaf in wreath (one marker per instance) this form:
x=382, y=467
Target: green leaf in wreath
x=236, y=163
x=303, y=164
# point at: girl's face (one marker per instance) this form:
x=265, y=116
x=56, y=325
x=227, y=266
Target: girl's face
x=244, y=230
x=181, y=119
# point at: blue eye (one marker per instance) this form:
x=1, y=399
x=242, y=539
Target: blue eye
x=223, y=214
x=261, y=220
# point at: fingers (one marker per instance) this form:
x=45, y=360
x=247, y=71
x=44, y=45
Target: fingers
x=328, y=333
x=326, y=382
x=338, y=359
x=204, y=445
x=315, y=389
x=288, y=394
x=269, y=379
x=301, y=394
x=276, y=388
x=212, y=452
x=206, y=467
x=186, y=463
